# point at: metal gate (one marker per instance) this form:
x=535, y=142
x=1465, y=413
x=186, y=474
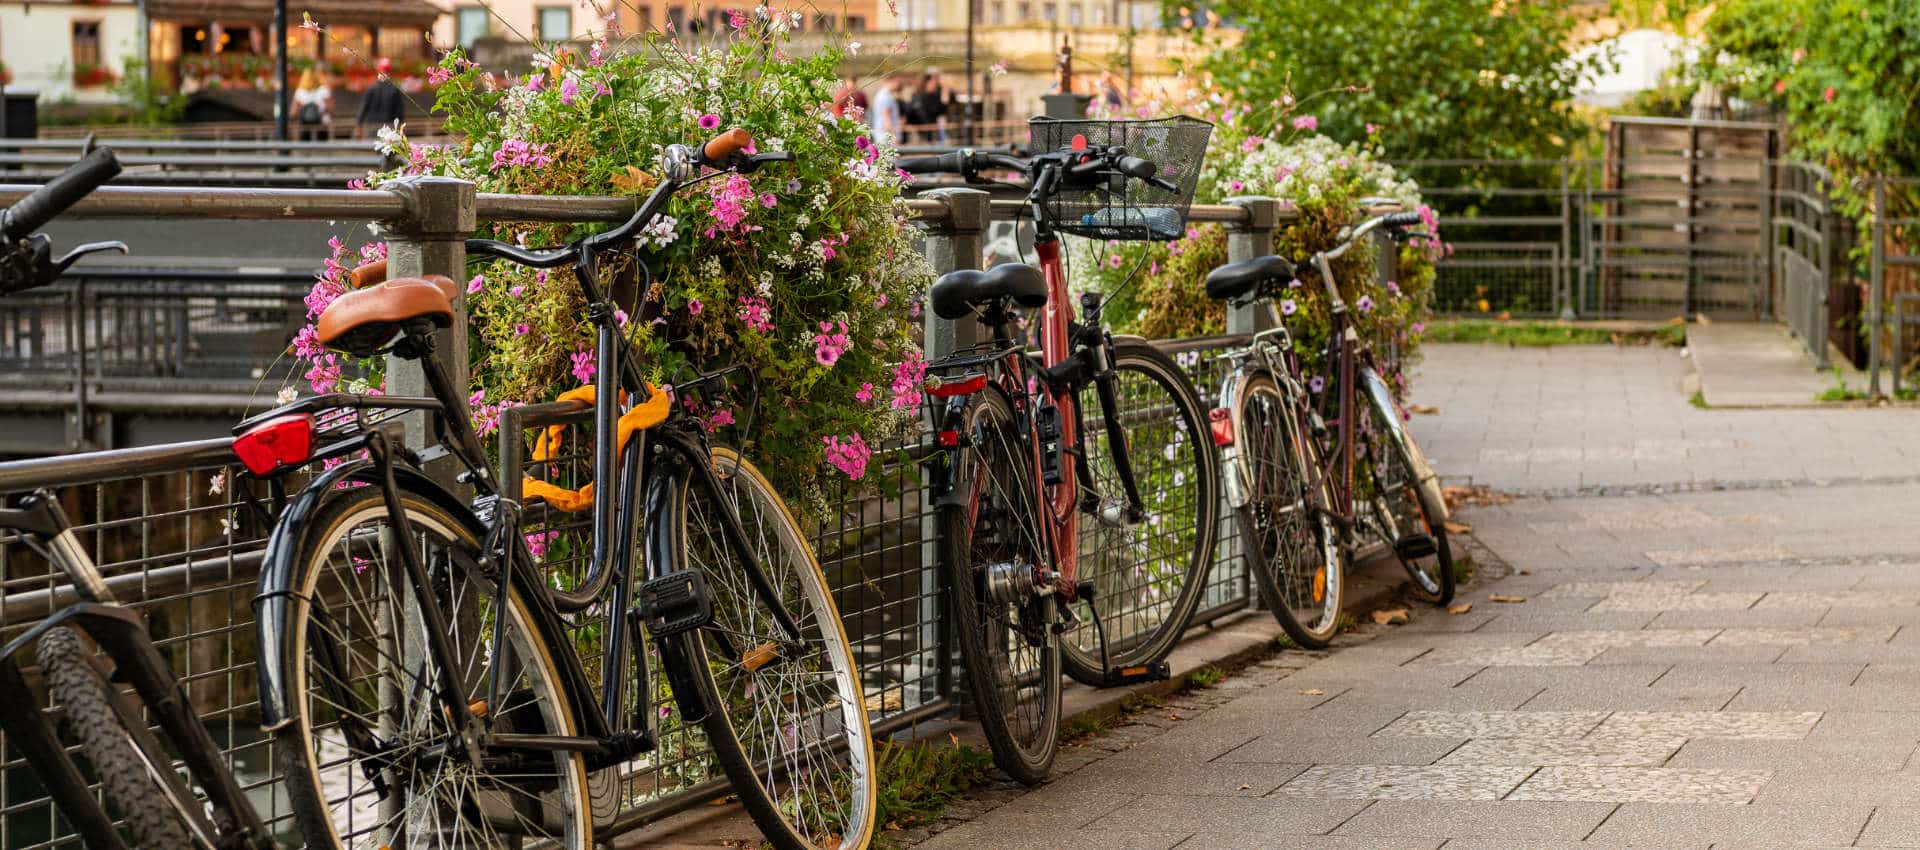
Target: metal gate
x=1686, y=220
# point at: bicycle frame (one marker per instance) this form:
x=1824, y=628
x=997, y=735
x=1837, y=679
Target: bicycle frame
x=120, y=633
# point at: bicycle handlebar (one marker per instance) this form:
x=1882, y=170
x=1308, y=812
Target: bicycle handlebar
x=45, y=203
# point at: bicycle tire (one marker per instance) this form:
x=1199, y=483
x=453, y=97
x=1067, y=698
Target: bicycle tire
x=1406, y=495
x=328, y=620
x=1016, y=696
x=1295, y=552
x=1149, y=578
x=837, y=758
x=97, y=716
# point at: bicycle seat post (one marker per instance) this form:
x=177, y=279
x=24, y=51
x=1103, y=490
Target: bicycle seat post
x=429, y=238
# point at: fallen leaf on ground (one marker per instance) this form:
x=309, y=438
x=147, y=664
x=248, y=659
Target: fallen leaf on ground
x=1702, y=319
x=1477, y=495
x=1459, y=608
x=1173, y=715
x=1245, y=787
x=1503, y=598
x=1526, y=572
x=885, y=702
x=1313, y=692
x=1458, y=527
x=1677, y=321
x=1423, y=409
x=1390, y=617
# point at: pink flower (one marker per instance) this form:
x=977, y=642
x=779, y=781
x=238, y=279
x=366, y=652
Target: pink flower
x=768, y=199
x=754, y=312
x=1829, y=94
x=1236, y=187
x=709, y=121
x=324, y=375
x=537, y=542
x=849, y=455
x=1780, y=86
x=1306, y=122
x=830, y=343
x=522, y=329
x=907, y=378
x=723, y=416
x=517, y=291
x=732, y=200
x=694, y=306
x=1365, y=304
x=1799, y=53
x=1252, y=144
x=736, y=19
x=1288, y=308
x=439, y=76
x=569, y=89
x=865, y=394
x=584, y=366
x=514, y=153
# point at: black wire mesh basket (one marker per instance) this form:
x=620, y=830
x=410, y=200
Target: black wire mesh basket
x=1121, y=208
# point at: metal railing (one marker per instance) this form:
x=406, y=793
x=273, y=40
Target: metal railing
x=165, y=162
x=173, y=537
x=1893, y=280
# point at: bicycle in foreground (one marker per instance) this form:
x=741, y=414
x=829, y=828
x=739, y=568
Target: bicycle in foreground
x=1308, y=488
x=134, y=763
x=416, y=668
x=1064, y=545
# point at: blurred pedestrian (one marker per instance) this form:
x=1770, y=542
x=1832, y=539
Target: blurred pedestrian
x=313, y=106
x=885, y=116
x=930, y=107
x=850, y=100
x=383, y=105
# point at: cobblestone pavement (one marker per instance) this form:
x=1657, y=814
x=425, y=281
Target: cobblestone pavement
x=1690, y=667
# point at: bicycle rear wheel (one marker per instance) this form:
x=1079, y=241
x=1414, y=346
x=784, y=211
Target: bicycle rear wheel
x=790, y=729
x=135, y=774
x=1293, y=547
x=991, y=549
x=367, y=755
x=1410, y=515
x=1149, y=577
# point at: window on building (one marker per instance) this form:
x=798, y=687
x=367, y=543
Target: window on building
x=1145, y=16
x=470, y=24
x=645, y=18
x=856, y=23
x=1050, y=12
x=997, y=15
x=86, y=44
x=1026, y=12
x=1075, y=17
x=556, y=23
x=677, y=18
x=823, y=23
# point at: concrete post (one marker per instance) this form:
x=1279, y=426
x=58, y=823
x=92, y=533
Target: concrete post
x=957, y=242
x=1251, y=239
x=428, y=239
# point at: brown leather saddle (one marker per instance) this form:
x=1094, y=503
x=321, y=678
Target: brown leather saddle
x=362, y=321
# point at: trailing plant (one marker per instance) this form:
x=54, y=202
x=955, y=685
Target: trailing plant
x=804, y=272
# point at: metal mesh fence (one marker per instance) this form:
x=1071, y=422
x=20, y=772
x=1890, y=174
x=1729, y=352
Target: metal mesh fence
x=176, y=542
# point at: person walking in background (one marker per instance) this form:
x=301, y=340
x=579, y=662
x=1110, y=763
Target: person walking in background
x=930, y=107
x=383, y=105
x=313, y=106
x=885, y=116
x=850, y=100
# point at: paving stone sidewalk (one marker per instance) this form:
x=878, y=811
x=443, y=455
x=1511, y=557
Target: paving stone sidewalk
x=1719, y=647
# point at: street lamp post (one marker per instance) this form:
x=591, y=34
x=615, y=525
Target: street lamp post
x=280, y=102
x=973, y=8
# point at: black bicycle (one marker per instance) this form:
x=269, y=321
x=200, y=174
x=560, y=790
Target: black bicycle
x=92, y=651
x=416, y=670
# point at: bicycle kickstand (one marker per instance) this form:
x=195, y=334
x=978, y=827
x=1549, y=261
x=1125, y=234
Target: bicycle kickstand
x=1111, y=676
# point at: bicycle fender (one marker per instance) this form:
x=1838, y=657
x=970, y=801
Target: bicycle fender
x=273, y=604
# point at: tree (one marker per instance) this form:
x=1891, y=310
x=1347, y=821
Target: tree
x=1435, y=79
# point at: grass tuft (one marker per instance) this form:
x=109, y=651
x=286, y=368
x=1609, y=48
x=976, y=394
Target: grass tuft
x=1541, y=334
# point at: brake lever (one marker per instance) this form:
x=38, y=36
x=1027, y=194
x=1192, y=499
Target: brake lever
x=750, y=164
x=60, y=266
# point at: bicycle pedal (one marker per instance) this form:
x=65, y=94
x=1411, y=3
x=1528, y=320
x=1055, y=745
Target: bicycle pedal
x=1137, y=674
x=1415, y=546
x=676, y=603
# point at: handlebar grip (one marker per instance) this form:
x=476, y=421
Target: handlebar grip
x=725, y=145
x=1137, y=168
x=364, y=276
x=79, y=180
x=946, y=163
x=1400, y=219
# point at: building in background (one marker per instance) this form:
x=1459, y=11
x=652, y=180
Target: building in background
x=69, y=51
x=466, y=22
x=198, y=45
x=688, y=16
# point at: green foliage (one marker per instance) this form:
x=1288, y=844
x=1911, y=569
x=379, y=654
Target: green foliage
x=1542, y=334
x=1842, y=73
x=1840, y=391
x=1323, y=182
x=761, y=270
x=148, y=101
x=1206, y=677
x=1454, y=79
x=917, y=781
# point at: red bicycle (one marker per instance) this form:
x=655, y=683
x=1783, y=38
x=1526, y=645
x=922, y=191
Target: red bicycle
x=1040, y=515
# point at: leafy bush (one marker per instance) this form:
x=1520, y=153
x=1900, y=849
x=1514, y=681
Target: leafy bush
x=1323, y=182
x=804, y=271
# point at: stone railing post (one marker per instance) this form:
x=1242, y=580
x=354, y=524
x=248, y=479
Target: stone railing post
x=1248, y=240
x=430, y=238
x=958, y=242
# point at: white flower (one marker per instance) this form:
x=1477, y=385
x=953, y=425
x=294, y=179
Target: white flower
x=218, y=484
x=389, y=137
x=286, y=395
x=853, y=48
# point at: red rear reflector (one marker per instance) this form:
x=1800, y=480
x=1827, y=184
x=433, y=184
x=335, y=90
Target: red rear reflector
x=1079, y=142
x=965, y=386
x=1221, y=422
x=276, y=443
x=949, y=439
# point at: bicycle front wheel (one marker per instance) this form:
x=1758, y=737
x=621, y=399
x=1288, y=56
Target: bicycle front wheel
x=991, y=549
x=1410, y=515
x=1148, y=577
x=370, y=758
x=789, y=720
x=1295, y=551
